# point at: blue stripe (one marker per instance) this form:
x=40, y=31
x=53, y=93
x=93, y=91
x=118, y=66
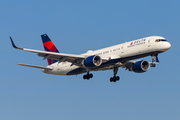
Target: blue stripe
x=46, y=49
x=77, y=71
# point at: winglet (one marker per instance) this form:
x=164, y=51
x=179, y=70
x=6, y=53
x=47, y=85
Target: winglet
x=14, y=44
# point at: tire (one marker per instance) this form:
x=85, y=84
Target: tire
x=84, y=77
x=153, y=65
x=90, y=75
x=118, y=78
x=111, y=79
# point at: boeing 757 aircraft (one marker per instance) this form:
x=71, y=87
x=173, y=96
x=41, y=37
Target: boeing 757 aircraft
x=113, y=57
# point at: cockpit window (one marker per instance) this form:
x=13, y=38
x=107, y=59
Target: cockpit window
x=158, y=40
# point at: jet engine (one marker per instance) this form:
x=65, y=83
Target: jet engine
x=140, y=67
x=92, y=61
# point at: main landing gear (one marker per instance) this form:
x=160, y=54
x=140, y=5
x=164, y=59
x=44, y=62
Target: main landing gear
x=88, y=76
x=115, y=78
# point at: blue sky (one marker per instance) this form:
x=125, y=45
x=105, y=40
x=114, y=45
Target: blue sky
x=76, y=27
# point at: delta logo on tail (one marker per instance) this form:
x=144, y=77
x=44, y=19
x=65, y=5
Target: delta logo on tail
x=49, y=47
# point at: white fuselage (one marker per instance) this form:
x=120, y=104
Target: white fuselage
x=120, y=53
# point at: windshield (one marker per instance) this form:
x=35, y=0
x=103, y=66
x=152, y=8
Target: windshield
x=158, y=40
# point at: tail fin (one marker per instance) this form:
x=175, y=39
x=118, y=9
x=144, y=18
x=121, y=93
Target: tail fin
x=49, y=47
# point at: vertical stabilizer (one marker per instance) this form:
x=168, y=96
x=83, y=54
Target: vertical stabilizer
x=49, y=47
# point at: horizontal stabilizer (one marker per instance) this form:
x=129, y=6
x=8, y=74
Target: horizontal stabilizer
x=34, y=66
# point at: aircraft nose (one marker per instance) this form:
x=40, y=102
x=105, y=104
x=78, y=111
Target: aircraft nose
x=167, y=46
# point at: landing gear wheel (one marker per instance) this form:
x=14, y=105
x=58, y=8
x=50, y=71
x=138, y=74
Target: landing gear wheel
x=84, y=77
x=111, y=79
x=87, y=76
x=90, y=75
x=114, y=79
x=117, y=78
x=153, y=65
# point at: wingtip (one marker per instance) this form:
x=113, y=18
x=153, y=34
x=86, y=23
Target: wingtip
x=13, y=44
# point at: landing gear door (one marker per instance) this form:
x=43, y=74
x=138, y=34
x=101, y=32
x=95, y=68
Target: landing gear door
x=122, y=51
x=149, y=43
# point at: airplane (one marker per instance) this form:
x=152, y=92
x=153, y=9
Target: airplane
x=121, y=55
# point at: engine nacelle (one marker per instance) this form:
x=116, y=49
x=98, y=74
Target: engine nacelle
x=92, y=61
x=140, y=66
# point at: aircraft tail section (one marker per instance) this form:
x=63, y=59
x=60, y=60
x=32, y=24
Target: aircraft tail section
x=49, y=47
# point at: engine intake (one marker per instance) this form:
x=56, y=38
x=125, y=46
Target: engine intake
x=92, y=61
x=140, y=66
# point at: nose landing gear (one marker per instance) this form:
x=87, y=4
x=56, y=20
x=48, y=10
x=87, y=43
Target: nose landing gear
x=154, y=59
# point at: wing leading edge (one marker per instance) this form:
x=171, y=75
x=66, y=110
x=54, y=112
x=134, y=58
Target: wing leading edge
x=55, y=56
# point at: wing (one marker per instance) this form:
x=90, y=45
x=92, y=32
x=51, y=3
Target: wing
x=74, y=59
